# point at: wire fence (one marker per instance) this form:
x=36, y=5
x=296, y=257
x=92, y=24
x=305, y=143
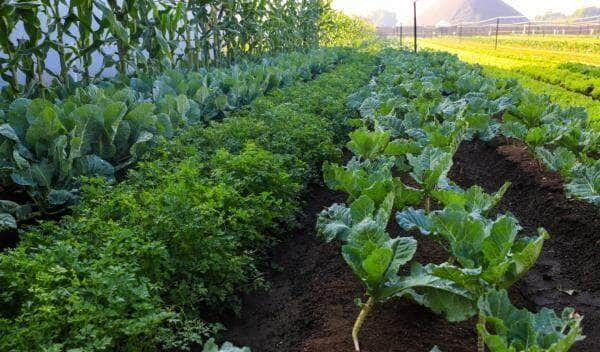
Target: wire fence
x=511, y=25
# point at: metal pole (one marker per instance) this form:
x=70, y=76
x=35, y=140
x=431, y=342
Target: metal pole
x=497, y=27
x=415, y=23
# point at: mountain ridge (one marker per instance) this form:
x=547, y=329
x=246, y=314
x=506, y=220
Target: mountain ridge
x=461, y=11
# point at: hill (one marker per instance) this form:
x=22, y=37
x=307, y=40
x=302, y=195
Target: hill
x=460, y=11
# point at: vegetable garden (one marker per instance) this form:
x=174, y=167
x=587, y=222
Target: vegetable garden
x=304, y=190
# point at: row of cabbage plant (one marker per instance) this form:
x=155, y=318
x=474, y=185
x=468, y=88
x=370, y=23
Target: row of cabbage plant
x=412, y=126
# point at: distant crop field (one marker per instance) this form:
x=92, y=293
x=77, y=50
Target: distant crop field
x=566, y=68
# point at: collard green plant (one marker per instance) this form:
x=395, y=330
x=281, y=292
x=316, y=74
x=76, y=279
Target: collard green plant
x=585, y=183
x=487, y=251
x=430, y=169
x=376, y=258
x=507, y=328
x=473, y=200
x=211, y=346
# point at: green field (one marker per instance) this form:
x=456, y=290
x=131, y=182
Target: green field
x=565, y=68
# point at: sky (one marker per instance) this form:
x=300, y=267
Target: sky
x=529, y=8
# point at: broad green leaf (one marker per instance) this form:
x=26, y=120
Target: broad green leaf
x=560, y=159
x=585, y=183
x=509, y=328
x=440, y=295
x=8, y=132
x=514, y=129
x=404, y=249
x=406, y=196
x=411, y=219
x=43, y=129
x=497, y=245
x=211, y=346
x=401, y=147
x=7, y=222
x=430, y=167
x=376, y=264
x=368, y=144
x=362, y=208
x=60, y=197
x=525, y=254
x=334, y=222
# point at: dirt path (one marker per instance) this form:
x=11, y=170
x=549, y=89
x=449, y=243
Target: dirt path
x=310, y=307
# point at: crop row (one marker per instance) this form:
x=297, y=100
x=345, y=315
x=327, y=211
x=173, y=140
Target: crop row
x=510, y=57
x=414, y=118
x=559, y=137
x=46, y=147
x=154, y=261
x=578, y=82
x=583, y=44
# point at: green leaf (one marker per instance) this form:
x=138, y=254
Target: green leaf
x=406, y=196
x=60, y=197
x=7, y=222
x=44, y=128
x=560, y=159
x=440, y=295
x=430, y=167
x=376, y=264
x=8, y=132
x=497, y=245
x=585, y=183
x=334, y=222
x=525, y=254
x=514, y=329
x=401, y=147
x=368, y=144
x=404, y=248
x=514, y=129
x=142, y=141
x=211, y=346
x=411, y=219
x=362, y=208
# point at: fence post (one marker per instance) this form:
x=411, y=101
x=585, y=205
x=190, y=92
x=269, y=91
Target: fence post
x=401, y=44
x=497, y=27
x=415, y=23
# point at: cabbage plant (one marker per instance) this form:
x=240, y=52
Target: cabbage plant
x=506, y=328
x=376, y=258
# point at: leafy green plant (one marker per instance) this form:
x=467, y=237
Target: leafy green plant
x=430, y=169
x=518, y=330
x=585, y=182
x=211, y=346
x=376, y=258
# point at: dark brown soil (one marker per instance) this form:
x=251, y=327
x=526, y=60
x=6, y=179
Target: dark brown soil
x=571, y=258
x=310, y=306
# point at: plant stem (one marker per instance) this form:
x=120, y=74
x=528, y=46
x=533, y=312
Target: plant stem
x=360, y=320
x=480, y=337
x=427, y=204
